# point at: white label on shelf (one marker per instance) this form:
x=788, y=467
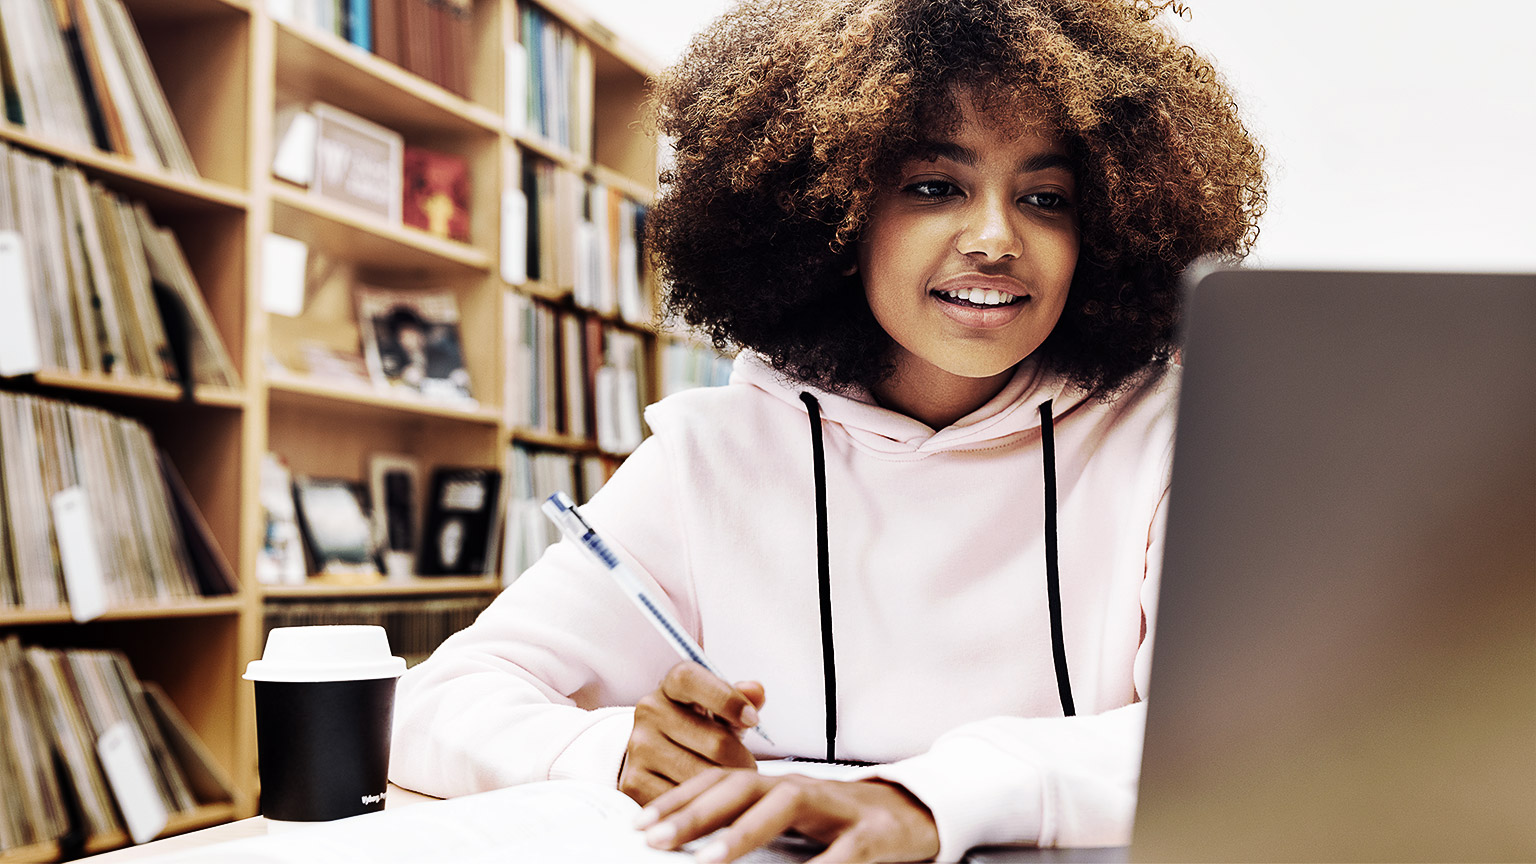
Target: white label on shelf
x=127, y=770
x=295, y=157
x=283, y=260
x=514, y=237
x=84, y=581
x=516, y=63
x=20, y=353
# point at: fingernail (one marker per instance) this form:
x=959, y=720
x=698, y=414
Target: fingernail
x=749, y=716
x=711, y=854
x=661, y=835
x=647, y=817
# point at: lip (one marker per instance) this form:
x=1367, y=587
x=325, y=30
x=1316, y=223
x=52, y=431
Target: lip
x=984, y=319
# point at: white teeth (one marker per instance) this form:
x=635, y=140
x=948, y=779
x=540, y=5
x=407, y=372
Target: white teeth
x=981, y=296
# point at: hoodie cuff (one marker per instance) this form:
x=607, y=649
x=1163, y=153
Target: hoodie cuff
x=596, y=754
x=975, y=797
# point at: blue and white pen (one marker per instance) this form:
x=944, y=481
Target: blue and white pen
x=562, y=511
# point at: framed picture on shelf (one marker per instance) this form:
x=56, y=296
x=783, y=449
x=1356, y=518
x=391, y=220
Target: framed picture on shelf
x=333, y=514
x=358, y=163
x=411, y=343
x=395, y=484
x=436, y=193
x=462, y=517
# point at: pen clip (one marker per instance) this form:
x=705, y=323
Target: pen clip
x=562, y=511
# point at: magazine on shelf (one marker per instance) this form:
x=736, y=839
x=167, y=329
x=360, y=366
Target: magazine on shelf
x=411, y=343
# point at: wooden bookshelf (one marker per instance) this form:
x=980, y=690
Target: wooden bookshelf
x=225, y=66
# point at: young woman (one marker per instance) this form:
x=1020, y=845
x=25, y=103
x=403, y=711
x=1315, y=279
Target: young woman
x=925, y=517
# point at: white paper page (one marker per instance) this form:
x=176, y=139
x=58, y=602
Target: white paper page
x=562, y=820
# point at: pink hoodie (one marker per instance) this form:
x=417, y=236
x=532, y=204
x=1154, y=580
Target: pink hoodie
x=943, y=650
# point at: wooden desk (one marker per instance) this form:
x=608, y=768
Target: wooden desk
x=256, y=826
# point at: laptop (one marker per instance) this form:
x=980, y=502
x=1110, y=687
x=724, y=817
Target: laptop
x=1345, y=661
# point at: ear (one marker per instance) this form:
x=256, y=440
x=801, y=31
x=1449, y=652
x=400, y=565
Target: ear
x=852, y=268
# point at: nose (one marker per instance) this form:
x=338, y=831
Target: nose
x=990, y=231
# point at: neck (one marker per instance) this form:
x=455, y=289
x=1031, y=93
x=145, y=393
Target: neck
x=937, y=398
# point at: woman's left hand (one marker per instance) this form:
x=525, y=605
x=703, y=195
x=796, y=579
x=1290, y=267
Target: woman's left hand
x=868, y=820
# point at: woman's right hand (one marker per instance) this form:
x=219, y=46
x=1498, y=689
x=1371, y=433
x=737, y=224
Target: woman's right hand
x=691, y=722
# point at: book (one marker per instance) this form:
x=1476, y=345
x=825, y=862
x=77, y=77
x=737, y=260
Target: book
x=461, y=517
x=436, y=193
x=411, y=343
x=333, y=517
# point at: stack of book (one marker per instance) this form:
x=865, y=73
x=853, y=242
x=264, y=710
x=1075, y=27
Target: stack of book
x=535, y=474
x=431, y=38
x=95, y=285
x=574, y=375
x=79, y=730
x=91, y=516
x=552, y=69
x=581, y=237
x=78, y=75
x=415, y=626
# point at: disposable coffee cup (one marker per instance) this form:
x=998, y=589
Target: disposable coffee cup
x=325, y=701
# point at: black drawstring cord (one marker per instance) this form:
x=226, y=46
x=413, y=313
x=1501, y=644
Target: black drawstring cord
x=823, y=572
x=824, y=578
x=1052, y=569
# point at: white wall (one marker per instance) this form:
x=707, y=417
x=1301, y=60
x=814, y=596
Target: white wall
x=1401, y=133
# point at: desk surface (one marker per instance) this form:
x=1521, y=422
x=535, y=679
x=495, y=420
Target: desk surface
x=258, y=826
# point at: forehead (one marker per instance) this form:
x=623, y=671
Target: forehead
x=1017, y=117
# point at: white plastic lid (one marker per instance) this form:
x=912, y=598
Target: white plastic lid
x=333, y=652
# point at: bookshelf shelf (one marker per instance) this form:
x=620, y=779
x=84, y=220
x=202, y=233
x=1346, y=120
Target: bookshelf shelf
x=159, y=188
x=203, y=608
x=348, y=234
x=420, y=585
x=553, y=439
x=320, y=395
x=314, y=62
x=203, y=816
x=188, y=10
x=219, y=397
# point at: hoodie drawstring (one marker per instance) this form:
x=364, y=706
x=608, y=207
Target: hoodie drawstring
x=824, y=578
x=1052, y=569
x=823, y=572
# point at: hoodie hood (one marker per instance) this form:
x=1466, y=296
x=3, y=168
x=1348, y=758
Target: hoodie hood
x=1015, y=409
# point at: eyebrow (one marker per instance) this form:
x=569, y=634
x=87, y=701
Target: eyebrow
x=931, y=150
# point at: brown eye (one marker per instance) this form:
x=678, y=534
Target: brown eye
x=1047, y=200
x=931, y=189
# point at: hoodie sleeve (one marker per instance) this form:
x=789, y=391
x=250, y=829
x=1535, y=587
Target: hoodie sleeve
x=1050, y=781
x=534, y=689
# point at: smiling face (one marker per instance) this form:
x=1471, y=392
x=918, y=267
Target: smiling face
x=966, y=260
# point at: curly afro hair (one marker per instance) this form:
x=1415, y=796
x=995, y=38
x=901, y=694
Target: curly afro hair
x=789, y=115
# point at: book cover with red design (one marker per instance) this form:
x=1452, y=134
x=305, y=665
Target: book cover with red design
x=436, y=193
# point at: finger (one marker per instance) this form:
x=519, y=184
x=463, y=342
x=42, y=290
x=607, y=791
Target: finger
x=663, y=726
x=692, y=684
x=859, y=843
x=754, y=692
x=652, y=749
x=713, y=742
x=678, y=796
x=711, y=809
x=757, y=825
x=645, y=786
